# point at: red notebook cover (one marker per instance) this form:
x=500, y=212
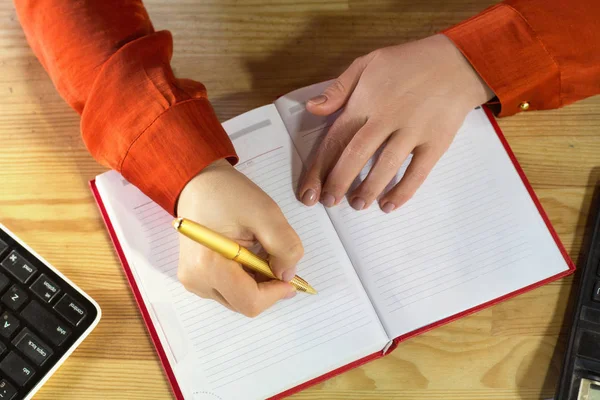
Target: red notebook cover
x=165, y=361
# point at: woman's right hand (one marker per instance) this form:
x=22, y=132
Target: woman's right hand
x=226, y=201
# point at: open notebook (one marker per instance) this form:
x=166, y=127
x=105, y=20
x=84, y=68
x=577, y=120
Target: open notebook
x=472, y=235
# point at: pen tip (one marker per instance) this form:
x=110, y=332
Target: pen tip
x=177, y=223
x=310, y=290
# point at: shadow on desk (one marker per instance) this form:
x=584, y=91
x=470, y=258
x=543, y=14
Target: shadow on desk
x=568, y=295
x=325, y=47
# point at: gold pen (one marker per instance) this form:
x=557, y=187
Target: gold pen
x=233, y=251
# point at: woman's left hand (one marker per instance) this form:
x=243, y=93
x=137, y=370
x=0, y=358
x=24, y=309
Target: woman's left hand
x=410, y=98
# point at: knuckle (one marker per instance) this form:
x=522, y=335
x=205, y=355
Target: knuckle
x=331, y=144
x=296, y=250
x=184, y=277
x=193, y=274
x=372, y=55
x=271, y=207
x=418, y=174
x=364, y=59
x=336, y=87
x=389, y=159
x=251, y=308
x=357, y=151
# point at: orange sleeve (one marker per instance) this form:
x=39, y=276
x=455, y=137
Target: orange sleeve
x=109, y=64
x=542, y=52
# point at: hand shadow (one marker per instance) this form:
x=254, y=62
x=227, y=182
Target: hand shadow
x=328, y=44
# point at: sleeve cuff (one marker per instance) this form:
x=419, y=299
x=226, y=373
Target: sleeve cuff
x=510, y=58
x=181, y=142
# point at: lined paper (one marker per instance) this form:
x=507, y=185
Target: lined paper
x=216, y=351
x=471, y=233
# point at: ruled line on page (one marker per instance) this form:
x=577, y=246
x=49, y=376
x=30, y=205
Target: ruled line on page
x=142, y=205
x=435, y=275
x=383, y=222
x=400, y=305
x=408, y=222
x=246, y=361
x=403, y=240
x=238, y=327
x=235, y=324
x=286, y=321
x=382, y=273
x=424, y=206
x=283, y=356
x=286, y=312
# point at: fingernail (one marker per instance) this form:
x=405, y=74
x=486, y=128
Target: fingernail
x=328, y=200
x=320, y=99
x=357, y=203
x=290, y=294
x=388, y=207
x=309, y=197
x=288, y=274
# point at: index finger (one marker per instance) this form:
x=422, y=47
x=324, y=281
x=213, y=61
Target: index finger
x=245, y=294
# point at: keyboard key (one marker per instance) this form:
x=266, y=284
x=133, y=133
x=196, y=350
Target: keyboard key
x=2, y=348
x=44, y=288
x=33, y=348
x=3, y=246
x=596, y=294
x=16, y=369
x=14, y=298
x=8, y=325
x=70, y=310
x=7, y=391
x=45, y=323
x=18, y=267
x=4, y=281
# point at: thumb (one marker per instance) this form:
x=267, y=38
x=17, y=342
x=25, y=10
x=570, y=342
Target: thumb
x=280, y=240
x=336, y=94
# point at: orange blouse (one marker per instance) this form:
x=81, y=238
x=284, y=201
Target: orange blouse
x=113, y=68
x=545, y=53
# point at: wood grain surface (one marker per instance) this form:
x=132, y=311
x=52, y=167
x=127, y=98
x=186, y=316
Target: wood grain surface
x=247, y=53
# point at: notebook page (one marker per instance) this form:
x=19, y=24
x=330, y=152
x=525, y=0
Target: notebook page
x=470, y=235
x=215, y=351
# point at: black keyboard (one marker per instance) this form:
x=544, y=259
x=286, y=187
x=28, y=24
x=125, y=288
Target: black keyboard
x=580, y=377
x=43, y=318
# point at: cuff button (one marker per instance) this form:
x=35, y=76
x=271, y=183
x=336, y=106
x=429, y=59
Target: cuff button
x=524, y=106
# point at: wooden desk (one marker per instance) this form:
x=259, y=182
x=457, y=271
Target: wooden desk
x=247, y=54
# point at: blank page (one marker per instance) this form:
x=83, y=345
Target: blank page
x=215, y=352
x=471, y=233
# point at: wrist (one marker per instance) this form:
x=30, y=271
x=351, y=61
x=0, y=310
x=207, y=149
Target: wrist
x=205, y=181
x=476, y=91
x=482, y=93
